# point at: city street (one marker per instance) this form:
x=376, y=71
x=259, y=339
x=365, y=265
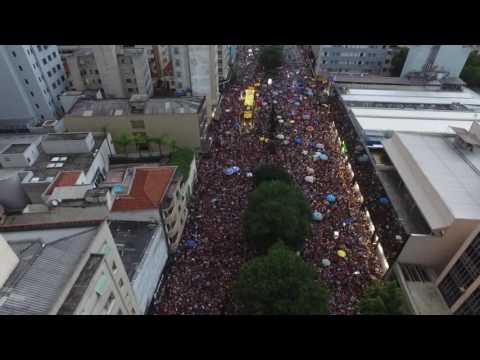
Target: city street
x=306, y=144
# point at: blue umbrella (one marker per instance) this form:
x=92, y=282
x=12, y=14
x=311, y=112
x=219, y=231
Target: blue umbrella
x=317, y=216
x=228, y=171
x=331, y=198
x=384, y=200
x=298, y=140
x=191, y=244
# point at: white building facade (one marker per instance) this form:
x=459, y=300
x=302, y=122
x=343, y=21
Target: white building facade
x=118, y=71
x=31, y=80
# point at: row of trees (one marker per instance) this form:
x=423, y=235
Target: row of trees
x=276, y=224
x=125, y=140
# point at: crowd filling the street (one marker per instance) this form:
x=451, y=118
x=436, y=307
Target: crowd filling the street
x=316, y=144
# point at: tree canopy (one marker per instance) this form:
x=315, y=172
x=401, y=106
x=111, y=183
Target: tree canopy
x=398, y=61
x=270, y=58
x=271, y=172
x=383, y=298
x=471, y=71
x=280, y=283
x=277, y=212
x=182, y=157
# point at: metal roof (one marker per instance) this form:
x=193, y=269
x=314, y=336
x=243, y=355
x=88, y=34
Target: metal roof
x=377, y=124
x=415, y=114
x=42, y=273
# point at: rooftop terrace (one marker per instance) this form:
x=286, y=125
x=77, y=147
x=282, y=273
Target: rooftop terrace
x=121, y=107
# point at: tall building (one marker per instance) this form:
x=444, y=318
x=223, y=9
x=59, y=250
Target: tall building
x=31, y=81
x=226, y=56
x=436, y=178
x=118, y=71
x=449, y=59
x=372, y=59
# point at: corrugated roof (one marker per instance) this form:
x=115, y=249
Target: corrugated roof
x=44, y=269
x=148, y=189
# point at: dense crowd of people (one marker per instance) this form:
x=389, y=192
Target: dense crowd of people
x=303, y=139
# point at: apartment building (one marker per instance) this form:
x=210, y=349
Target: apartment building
x=367, y=59
x=118, y=71
x=63, y=270
x=155, y=194
x=30, y=164
x=145, y=117
x=440, y=60
x=31, y=80
x=226, y=57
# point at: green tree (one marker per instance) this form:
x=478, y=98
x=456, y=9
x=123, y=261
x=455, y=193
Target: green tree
x=270, y=58
x=159, y=141
x=139, y=140
x=280, y=283
x=277, y=212
x=124, y=140
x=271, y=172
x=471, y=71
x=398, y=61
x=383, y=298
x=182, y=157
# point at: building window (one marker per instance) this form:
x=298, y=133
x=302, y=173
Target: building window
x=96, y=72
x=175, y=50
x=39, y=48
x=109, y=304
x=179, y=85
x=37, y=106
x=179, y=74
x=54, y=54
x=31, y=93
x=129, y=81
x=20, y=67
x=49, y=73
x=45, y=47
x=26, y=81
x=54, y=85
x=120, y=283
x=49, y=58
x=54, y=70
x=471, y=306
x=137, y=124
x=58, y=82
x=14, y=54
x=62, y=77
x=462, y=274
x=114, y=267
x=130, y=90
x=120, y=312
x=177, y=62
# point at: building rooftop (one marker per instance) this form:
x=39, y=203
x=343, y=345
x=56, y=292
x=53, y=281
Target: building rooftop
x=64, y=178
x=132, y=239
x=15, y=149
x=425, y=111
x=81, y=285
x=443, y=178
x=77, y=162
x=377, y=79
x=121, y=107
x=43, y=272
x=147, y=190
x=18, y=139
